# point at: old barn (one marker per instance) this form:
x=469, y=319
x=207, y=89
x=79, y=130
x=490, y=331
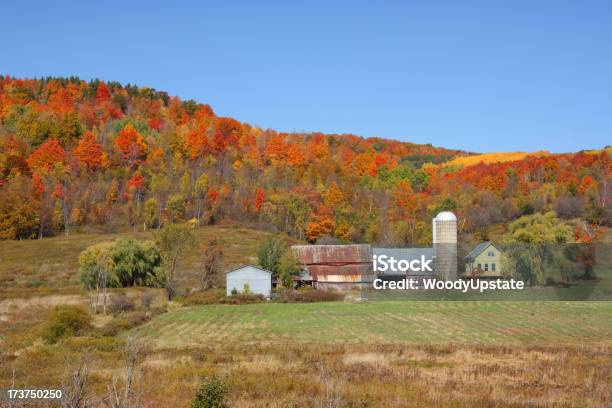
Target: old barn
x=335, y=266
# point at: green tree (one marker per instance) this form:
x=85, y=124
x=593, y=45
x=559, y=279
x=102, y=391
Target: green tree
x=210, y=394
x=133, y=263
x=95, y=268
x=533, y=252
x=201, y=187
x=270, y=253
x=151, y=218
x=173, y=240
x=288, y=267
x=540, y=228
x=176, y=208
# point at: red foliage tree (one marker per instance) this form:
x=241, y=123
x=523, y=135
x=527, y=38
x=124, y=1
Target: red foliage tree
x=47, y=155
x=89, y=152
x=260, y=198
x=102, y=93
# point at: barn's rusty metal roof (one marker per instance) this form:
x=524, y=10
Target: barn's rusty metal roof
x=333, y=254
x=323, y=262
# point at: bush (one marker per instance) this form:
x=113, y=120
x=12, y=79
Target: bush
x=243, y=299
x=115, y=326
x=211, y=394
x=121, y=303
x=66, y=321
x=147, y=300
x=207, y=297
x=307, y=294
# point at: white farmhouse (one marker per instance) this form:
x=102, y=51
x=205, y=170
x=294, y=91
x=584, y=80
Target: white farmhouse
x=253, y=278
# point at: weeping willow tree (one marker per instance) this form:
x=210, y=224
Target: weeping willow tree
x=533, y=251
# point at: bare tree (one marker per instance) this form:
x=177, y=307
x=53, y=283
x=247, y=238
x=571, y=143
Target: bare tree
x=211, y=262
x=74, y=393
x=129, y=393
x=11, y=402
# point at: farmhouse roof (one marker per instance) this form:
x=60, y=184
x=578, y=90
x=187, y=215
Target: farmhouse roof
x=246, y=266
x=480, y=248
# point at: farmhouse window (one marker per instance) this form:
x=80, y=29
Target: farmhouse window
x=491, y=253
x=486, y=267
x=493, y=267
x=479, y=266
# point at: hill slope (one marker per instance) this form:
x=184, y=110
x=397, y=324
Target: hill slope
x=91, y=156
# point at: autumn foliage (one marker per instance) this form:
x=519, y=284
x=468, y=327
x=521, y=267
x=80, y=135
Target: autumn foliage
x=76, y=154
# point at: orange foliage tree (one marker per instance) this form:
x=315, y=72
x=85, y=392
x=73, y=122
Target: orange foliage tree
x=89, y=152
x=130, y=145
x=47, y=155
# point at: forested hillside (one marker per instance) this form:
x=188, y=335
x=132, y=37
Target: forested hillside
x=79, y=156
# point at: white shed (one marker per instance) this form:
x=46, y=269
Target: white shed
x=259, y=280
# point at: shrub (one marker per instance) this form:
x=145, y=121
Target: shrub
x=307, y=294
x=121, y=303
x=242, y=299
x=66, y=321
x=115, y=326
x=146, y=300
x=211, y=394
x=206, y=297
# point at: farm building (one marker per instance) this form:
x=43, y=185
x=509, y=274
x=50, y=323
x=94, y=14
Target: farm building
x=335, y=266
x=484, y=261
x=444, y=229
x=349, y=266
x=257, y=280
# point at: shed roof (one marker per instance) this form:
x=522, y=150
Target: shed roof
x=246, y=266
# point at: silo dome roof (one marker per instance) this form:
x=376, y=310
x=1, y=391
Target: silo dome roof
x=446, y=216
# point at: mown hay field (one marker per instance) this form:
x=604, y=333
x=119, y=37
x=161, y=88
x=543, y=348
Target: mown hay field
x=437, y=322
x=487, y=158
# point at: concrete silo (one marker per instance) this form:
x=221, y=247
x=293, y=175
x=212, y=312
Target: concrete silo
x=444, y=227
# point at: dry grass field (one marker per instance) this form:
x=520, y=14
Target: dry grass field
x=329, y=354
x=487, y=158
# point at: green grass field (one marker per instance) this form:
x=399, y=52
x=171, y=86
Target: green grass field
x=479, y=322
x=50, y=266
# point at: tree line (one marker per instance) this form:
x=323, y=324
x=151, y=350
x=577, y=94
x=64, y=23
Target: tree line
x=91, y=156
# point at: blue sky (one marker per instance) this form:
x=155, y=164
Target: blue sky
x=475, y=75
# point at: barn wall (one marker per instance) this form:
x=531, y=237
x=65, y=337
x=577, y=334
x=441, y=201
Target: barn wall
x=339, y=266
